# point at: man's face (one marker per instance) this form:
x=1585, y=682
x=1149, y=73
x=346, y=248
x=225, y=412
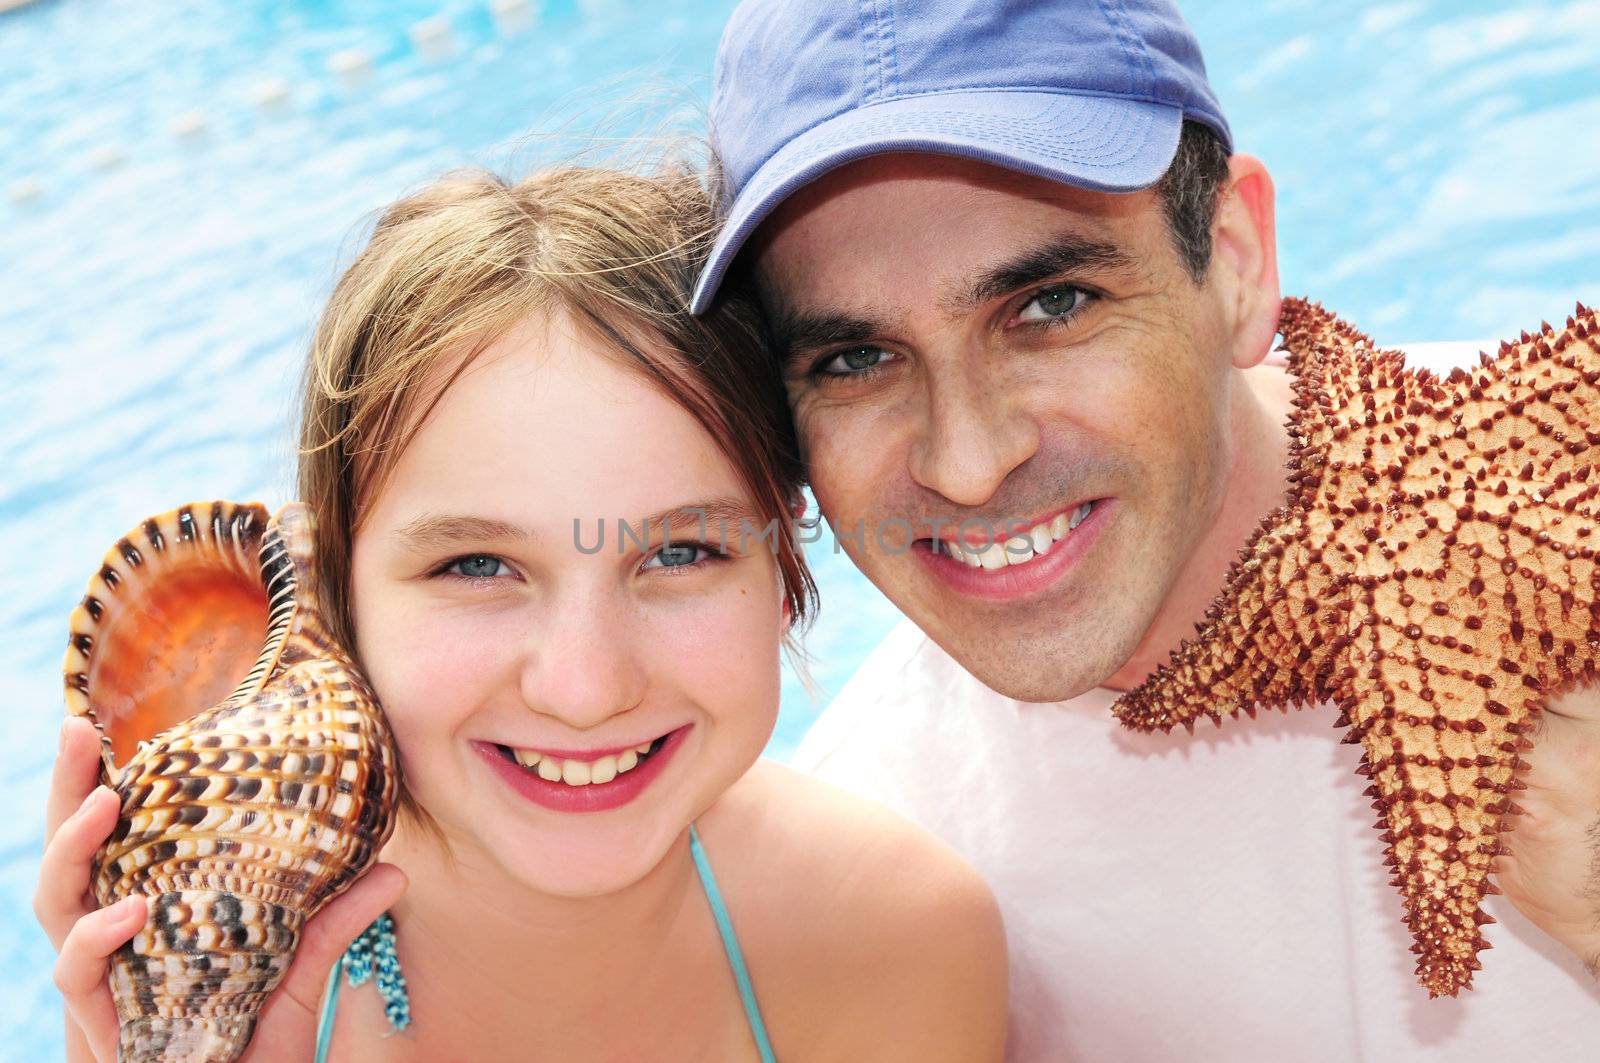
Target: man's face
x=990, y=356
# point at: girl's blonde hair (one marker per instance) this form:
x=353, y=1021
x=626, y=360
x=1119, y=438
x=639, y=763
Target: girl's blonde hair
x=456, y=265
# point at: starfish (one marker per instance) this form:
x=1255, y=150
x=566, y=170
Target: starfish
x=1433, y=575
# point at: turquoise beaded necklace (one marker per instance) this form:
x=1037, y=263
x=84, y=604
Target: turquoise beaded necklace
x=370, y=958
x=372, y=955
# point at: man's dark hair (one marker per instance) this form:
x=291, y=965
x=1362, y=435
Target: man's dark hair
x=1188, y=192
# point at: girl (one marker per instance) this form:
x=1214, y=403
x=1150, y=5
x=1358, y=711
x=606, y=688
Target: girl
x=554, y=525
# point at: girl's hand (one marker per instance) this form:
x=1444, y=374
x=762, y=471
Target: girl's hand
x=79, y=817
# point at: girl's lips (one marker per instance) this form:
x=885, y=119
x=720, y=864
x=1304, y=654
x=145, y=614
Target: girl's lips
x=1019, y=581
x=596, y=797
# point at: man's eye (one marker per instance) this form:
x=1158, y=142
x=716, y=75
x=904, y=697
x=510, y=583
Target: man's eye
x=856, y=361
x=477, y=566
x=1052, y=304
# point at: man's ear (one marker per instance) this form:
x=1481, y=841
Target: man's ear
x=1244, y=252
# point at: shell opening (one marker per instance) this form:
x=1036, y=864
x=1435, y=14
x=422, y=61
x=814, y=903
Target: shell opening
x=173, y=622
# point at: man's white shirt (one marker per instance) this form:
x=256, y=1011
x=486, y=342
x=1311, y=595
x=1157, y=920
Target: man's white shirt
x=1166, y=897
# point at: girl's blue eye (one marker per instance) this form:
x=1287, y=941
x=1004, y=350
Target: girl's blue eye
x=678, y=555
x=477, y=566
x=1052, y=304
x=856, y=361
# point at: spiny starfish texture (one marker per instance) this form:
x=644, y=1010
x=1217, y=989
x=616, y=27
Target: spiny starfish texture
x=1433, y=574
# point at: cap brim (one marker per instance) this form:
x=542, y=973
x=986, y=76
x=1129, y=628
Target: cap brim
x=1102, y=143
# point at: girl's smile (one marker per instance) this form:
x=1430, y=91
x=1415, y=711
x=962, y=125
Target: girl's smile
x=573, y=781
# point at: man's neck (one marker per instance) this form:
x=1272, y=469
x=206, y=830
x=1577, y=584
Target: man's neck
x=1254, y=487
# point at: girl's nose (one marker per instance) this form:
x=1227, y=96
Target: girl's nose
x=582, y=666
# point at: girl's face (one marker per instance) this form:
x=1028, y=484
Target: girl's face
x=522, y=669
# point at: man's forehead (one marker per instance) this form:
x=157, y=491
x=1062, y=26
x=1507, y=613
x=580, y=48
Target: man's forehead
x=976, y=228
x=963, y=183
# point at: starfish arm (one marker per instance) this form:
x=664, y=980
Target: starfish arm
x=1441, y=780
x=1546, y=381
x=1440, y=844
x=1250, y=652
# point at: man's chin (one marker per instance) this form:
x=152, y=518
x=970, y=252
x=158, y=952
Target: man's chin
x=1042, y=670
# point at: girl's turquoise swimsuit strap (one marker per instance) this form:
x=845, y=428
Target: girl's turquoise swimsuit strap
x=730, y=945
x=372, y=956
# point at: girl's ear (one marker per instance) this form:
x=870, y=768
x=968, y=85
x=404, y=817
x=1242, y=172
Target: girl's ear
x=797, y=512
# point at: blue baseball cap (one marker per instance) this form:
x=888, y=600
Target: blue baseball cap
x=1090, y=93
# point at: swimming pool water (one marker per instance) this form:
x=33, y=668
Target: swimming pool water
x=1437, y=168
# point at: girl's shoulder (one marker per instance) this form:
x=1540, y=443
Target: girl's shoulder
x=798, y=822
x=858, y=925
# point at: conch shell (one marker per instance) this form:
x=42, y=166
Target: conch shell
x=246, y=805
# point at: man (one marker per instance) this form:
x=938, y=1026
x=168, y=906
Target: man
x=1021, y=284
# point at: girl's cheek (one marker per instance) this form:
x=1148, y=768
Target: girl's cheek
x=420, y=676
x=402, y=660
x=727, y=649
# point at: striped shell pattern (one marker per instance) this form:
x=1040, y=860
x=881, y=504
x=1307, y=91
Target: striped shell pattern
x=257, y=774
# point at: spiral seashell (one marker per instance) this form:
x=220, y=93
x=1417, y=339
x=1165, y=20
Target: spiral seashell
x=257, y=775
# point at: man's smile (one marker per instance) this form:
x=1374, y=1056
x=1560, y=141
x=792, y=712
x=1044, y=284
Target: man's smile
x=1010, y=543
x=1032, y=559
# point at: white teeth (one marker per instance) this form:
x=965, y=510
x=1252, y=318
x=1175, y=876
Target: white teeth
x=581, y=772
x=1022, y=548
x=1040, y=535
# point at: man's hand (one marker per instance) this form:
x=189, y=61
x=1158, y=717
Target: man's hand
x=1552, y=873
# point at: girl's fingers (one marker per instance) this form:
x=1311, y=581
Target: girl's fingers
x=77, y=771
x=59, y=900
x=80, y=973
x=330, y=932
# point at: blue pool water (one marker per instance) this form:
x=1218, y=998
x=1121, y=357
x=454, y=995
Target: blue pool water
x=1437, y=165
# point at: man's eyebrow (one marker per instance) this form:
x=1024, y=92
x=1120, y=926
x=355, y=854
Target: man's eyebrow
x=1065, y=253
x=434, y=531
x=797, y=332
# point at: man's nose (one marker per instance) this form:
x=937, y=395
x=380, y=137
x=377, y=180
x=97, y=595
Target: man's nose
x=582, y=666
x=974, y=433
